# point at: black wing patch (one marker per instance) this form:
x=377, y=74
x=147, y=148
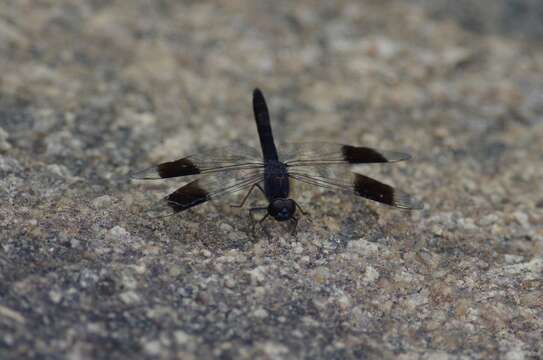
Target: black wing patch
x=365, y=155
x=181, y=167
x=377, y=191
x=187, y=196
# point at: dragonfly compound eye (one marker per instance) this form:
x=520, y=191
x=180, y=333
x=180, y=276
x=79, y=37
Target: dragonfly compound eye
x=282, y=209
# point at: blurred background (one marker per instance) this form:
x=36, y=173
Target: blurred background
x=90, y=90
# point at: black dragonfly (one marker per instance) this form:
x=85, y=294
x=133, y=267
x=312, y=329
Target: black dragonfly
x=234, y=168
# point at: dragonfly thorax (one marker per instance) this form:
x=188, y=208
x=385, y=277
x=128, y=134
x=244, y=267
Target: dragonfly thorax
x=276, y=180
x=282, y=209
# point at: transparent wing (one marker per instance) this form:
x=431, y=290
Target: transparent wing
x=204, y=189
x=357, y=185
x=323, y=153
x=228, y=158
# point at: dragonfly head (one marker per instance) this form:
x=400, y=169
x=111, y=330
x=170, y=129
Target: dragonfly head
x=282, y=209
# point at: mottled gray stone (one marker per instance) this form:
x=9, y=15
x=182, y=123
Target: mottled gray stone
x=90, y=90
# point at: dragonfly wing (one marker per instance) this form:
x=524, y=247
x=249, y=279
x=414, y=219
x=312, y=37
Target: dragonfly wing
x=322, y=153
x=359, y=185
x=229, y=158
x=204, y=189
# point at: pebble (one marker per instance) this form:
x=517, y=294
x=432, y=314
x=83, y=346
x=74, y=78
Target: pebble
x=4, y=144
x=226, y=228
x=298, y=248
x=467, y=224
x=229, y=282
x=152, y=347
x=130, y=298
x=513, y=259
x=258, y=274
x=87, y=277
x=364, y=246
x=370, y=275
x=9, y=164
x=274, y=350
x=181, y=337
x=118, y=233
x=55, y=296
x=489, y=220
x=59, y=170
x=74, y=243
x=344, y=302
x=102, y=202
x=6, y=312
x=522, y=219
x=260, y=313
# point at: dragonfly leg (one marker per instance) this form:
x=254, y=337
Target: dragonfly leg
x=300, y=208
x=247, y=195
x=295, y=226
x=253, y=227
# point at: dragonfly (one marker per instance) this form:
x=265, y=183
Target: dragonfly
x=235, y=168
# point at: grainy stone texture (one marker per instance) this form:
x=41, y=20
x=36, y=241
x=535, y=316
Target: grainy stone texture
x=92, y=89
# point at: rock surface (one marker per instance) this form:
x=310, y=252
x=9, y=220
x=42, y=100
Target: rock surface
x=90, y=90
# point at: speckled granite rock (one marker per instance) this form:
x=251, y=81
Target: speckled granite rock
x=92, y=89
